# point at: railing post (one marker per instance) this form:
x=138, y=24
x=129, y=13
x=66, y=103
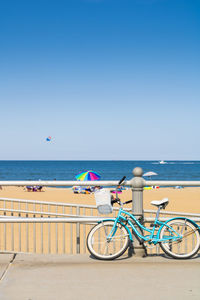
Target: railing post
x=78, y=232
x=137, y=184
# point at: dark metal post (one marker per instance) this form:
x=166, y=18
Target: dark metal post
x=78, y=232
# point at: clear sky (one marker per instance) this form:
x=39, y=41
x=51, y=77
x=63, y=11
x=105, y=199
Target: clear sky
x=107, y=79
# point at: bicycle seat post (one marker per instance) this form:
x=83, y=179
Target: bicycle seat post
x=158, y=213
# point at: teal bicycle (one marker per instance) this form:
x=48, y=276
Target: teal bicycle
x=178, y=237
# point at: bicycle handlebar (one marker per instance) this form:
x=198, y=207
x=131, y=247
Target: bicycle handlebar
x=117, y=200
x=127, y=202
x=123, y=178
x=114, y=201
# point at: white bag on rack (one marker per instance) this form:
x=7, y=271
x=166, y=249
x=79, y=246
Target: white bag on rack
x=103, y=201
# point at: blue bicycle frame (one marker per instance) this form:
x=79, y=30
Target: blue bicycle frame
x=125, y=218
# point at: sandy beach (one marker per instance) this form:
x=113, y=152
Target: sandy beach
x=183, y=200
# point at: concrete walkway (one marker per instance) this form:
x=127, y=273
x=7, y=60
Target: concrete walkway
x=49, y=277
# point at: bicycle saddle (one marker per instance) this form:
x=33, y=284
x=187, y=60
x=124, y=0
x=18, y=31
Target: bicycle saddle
x=162, y=202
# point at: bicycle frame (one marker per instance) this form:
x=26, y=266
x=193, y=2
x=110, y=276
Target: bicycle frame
x=125, y=218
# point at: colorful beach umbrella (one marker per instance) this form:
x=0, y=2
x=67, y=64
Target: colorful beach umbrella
x=87, y=176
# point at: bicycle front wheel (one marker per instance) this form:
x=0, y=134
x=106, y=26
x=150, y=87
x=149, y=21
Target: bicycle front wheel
x=107, y=242
x=184, y=247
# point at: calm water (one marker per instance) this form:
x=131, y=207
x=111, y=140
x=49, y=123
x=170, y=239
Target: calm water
x=109, y=170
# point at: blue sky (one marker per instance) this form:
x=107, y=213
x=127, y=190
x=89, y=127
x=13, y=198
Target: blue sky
x=107, y=79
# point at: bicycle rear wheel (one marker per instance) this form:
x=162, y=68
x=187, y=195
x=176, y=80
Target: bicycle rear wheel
x=102, y=247
x=182, y=248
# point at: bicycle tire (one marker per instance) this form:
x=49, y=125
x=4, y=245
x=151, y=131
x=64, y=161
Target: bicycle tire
x=97, y=238
x=187, y=246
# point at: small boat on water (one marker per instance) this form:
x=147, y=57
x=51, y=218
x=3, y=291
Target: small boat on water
x=162, y=162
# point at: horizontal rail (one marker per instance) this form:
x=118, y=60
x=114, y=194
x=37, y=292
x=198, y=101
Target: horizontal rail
x=34, y=212
x=150, y=219
x=171, y=183
x=46, y=202
x=60, y=183
x=172, y=213
x=71, y=220
x=96, y=183
x=83, y=216
x=51, y=203
x=86, y=206
x=54, y=203
x=51, y=220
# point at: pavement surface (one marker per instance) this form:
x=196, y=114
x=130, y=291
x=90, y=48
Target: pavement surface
x=60, y=277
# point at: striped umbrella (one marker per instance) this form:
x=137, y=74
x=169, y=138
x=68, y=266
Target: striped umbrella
x=87, y=176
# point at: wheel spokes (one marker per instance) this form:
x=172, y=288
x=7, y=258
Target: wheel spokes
x=180, y=238
x=108, y=240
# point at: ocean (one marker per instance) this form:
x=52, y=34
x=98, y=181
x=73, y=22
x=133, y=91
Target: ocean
x=109, y=170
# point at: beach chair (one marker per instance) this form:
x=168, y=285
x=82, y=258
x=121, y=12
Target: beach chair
x=39, y=188
x=29, y=188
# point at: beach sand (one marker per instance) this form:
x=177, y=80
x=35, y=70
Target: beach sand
x=183, y=200
x=61, y=238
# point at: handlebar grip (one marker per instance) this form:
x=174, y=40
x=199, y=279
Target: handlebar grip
x=127, y=202
x=114, y=201
x=123, y=178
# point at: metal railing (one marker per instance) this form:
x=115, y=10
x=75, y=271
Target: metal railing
x=45, y=227
x=33, y=226
x=53, y=227
x=98, y=183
